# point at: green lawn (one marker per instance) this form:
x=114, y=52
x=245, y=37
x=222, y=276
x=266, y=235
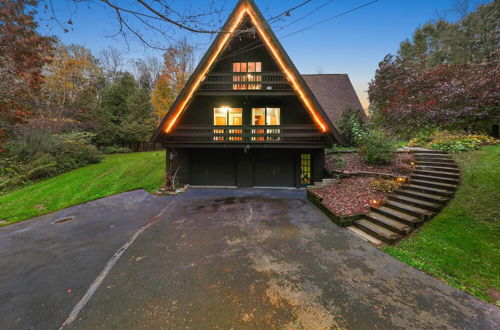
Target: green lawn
x=115, y=174
x=461, y=245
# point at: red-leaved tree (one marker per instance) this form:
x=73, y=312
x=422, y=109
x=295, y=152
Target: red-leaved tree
x=456, y=95
x=23, y=52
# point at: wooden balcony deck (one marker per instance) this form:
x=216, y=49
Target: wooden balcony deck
x=252, y=135
x=246, y=83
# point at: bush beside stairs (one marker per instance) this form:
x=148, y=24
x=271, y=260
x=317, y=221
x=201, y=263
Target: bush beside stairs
x=428, y=189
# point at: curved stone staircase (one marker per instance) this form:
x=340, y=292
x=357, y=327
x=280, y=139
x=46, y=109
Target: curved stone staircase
x=429, y=188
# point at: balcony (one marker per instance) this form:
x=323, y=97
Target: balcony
x=254, y=135
x=245, y=83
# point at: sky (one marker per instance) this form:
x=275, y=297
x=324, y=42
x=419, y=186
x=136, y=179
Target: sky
x=354, y=43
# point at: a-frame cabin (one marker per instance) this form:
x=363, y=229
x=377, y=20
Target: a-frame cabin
x=246, y=117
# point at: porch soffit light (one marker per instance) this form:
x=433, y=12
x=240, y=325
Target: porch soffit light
x=244, y=9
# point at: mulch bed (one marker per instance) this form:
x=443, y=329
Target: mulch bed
x=350, y=197
x=354, y=163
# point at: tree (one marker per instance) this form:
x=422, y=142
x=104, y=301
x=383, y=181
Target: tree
x=140, y=123
x=446, y=76
x=72, y=83
x=125, y=115
x=146, y=71
x=111, y=61
x=23, y=53
x=178, y=67
x=473, y=38
x=414, y=96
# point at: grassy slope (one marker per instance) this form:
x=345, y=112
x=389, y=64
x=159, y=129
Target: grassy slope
x=115, y=174
x=461, y=245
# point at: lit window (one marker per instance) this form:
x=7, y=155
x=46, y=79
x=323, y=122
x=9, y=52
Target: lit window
x=273, y=116
x=226, y=116
x=266, y=117
x=249, y=68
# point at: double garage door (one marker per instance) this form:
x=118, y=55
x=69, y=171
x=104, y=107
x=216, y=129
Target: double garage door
x=257, y=168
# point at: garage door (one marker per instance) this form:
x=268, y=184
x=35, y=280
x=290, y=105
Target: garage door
x=274, y=169
x=212, y=168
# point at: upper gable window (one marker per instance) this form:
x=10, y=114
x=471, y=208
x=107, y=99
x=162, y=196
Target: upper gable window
x=246, y=74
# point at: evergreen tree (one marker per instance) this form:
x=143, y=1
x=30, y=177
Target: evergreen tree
x=126, y=114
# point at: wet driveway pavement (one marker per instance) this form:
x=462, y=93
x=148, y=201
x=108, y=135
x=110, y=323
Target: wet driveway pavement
x=240, y=259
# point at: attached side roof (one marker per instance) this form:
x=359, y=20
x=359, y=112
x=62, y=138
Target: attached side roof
x=247, y=8
x=335, y=93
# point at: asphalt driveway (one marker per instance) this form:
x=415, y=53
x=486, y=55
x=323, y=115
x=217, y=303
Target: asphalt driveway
x=251, y=259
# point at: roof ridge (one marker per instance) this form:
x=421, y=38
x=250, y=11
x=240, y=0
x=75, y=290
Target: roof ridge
x=324, y=74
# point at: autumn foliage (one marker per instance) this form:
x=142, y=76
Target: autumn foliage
x=457, y=95
x=23, y=53
x=447, y=76
x=177, y=68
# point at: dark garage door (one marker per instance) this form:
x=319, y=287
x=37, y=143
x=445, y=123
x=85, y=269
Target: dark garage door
x=274, y=168
x=212, y=168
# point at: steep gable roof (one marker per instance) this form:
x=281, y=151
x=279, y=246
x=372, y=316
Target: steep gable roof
x=247, y=8
x=335, y=93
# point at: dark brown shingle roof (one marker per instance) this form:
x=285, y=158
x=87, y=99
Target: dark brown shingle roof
x=334, y=92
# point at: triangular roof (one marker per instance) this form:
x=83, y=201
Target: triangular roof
x=243, y=9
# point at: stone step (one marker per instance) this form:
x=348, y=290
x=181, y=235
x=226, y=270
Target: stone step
x=439, y=164
x=437, y=173
x=397, y=215
x=389, y=223
x=432, y=184
x=431, y=206
x=377, y=231
x=444, y=156
x=435, y=161
x=409, y=209
x=331, y=181
x=434, y=178
x=438, y=168
x=430, y=152
x=423, y=196
x=365, y=236
x=429, y=190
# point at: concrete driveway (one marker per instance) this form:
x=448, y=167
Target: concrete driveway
x=241, y=259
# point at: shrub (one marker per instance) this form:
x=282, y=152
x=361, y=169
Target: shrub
x=387, y=186
x=351, y=126
x=15, y=173
x=337, y=161
x=376, y=148
x=36, y=154
x=451, y=142
x=116, y=150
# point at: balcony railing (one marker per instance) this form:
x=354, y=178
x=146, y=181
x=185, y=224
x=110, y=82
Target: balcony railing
x=246, y=82
x=303, y=134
